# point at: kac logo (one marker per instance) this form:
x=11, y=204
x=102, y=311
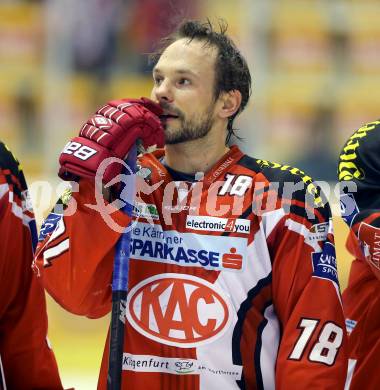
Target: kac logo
x=179, y=310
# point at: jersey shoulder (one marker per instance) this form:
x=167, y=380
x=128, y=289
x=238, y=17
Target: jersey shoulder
x=7, y=159
x=289, y=180
x=10, y=170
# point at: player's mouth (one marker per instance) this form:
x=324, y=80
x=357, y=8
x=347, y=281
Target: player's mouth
x=168, y=117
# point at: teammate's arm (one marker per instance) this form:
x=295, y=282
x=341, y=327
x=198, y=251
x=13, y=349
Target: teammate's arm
x=26, y=357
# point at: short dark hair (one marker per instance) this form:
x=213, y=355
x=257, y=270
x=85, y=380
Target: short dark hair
x=231, y=69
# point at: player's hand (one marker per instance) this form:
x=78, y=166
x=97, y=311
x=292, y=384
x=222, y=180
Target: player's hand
x=111, y=132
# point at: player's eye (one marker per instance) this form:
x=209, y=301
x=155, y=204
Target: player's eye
x=183, y=81
x=157, y=80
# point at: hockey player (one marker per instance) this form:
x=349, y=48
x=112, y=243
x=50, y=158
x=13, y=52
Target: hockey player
x=359, y=164
x=232, y=274
x=26, y=359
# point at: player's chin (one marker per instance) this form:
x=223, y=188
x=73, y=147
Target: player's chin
x=172, y=136
x=171, y=129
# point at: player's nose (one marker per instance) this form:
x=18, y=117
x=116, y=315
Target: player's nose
x=163, y=92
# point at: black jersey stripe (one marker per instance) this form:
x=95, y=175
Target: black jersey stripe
x=245, y=306
x=250, y=163
x=259, y=344
x=9, y=163
x=289, y=183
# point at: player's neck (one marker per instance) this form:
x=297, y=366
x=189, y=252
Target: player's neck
x=196, y=156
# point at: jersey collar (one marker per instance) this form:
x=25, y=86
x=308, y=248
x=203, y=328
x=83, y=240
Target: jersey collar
x=217, y=172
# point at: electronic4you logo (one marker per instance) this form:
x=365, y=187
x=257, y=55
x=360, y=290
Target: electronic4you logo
x=179, y=310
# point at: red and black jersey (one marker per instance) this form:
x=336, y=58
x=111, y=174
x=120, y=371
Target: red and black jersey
x=26, y=360
x=359, y=173
x=232, y=278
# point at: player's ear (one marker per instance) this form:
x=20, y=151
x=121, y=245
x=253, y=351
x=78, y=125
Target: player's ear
x=230, y=103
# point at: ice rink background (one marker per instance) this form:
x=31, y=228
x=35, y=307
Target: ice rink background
x=316, y=75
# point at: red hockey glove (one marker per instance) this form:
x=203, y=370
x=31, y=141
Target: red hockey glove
x=111, y=132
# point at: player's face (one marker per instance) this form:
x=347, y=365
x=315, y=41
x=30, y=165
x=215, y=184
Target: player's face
x=184, y=87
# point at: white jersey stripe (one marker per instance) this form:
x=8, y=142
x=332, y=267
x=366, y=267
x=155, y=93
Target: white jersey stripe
x=55, y=251
x=303, y=231
x=350, y=373
x=3, y=385
x=3, y=189
x=270, y=220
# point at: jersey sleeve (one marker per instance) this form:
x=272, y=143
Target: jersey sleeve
x=307, y=298
x=75, y=253
x=363, y=241
x=25, y=355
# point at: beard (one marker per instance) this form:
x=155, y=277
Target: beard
x=189, y=129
